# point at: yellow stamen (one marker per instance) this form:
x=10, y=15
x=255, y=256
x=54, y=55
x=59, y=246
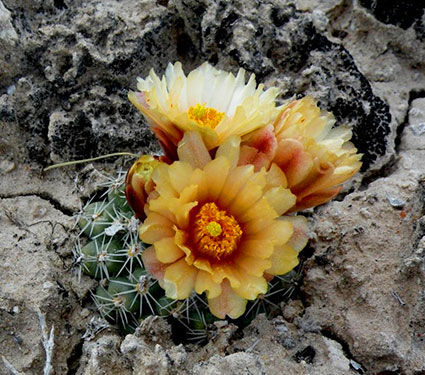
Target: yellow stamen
x=203, y=116
x=217, y=233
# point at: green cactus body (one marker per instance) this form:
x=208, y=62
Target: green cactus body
x=95, y=218
x=101, y=258
x=123, y=294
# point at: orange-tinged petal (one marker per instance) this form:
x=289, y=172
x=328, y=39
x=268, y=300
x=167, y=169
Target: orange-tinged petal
x=261, y=210
x=167, y=251
x=251, y=286
x=180, y=174
x=179, y=280
x=226, y=271
x=280, y=199
x=176, y=209
x=180, y=240
x=154, y=230
x=294, y=161
x=153, y=265
x=299, y=237
x=248, y=195
x=278, y=232
x=275, y=177
x=252, y=265
x=316, y=198
x=257, y=248
x=227, y=303
x=204, y=283
x=216, y=173
x=203, y=264
x=284, y=259
x=236, y=180
x=162, y=181
x=192, y=150
x=198, y=179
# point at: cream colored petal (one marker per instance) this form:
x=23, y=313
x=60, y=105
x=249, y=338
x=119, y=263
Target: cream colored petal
x=179, y=280
x=167, y=251
x=227, y=303
x=230, y=150
x=284, y=259
x=204, y=283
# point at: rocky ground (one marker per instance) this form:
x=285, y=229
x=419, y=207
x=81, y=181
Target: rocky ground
x=65, y=70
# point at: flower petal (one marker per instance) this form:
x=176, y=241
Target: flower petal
x=280, y=199
x=227, y=303
x=155, y=228
x=257, y=248
x=299, y=237
x=251, y=286
x=153, y=265
x=192, y=150
x=167, y=251
x=279, y=231
x=234, y=183
x=284, y=259
x=204, y=283
x=252, y=265
x=230, y=149
x=216, y=172
x=180, y=174
x=179, y=280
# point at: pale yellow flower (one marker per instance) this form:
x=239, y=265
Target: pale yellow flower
x=213, y=102
x=216, y=228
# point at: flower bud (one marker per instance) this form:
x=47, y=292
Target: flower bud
x=138, y=183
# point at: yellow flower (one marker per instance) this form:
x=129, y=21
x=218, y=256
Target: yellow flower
x=213, y=102
x=215, y=227
x=315, y=157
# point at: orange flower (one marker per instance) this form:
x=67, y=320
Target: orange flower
x=213, y=102
x=138, y=183
x=315, y=157
x=215, y=227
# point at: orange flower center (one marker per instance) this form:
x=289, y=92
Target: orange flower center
x=217, y=234
x=205, y=117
